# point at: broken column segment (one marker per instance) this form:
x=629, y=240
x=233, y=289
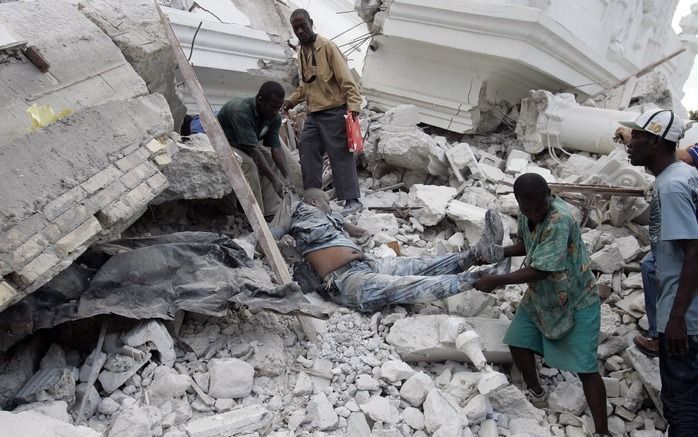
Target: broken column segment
x=433, y=338
x=558, y=121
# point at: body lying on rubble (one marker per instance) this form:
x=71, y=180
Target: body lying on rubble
x=356, y=280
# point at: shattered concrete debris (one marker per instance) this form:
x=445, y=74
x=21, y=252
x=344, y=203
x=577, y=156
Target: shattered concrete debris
x=32, y=423
x=420, y=338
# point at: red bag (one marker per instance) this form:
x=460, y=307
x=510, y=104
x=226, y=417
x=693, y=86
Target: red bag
x=355, y=141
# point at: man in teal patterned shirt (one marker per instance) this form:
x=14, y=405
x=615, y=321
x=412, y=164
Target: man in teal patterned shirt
x=559, y=316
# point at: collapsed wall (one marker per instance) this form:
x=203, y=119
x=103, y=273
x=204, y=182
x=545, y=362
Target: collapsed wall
x=89, y=175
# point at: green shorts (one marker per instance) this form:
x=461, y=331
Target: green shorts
x=575, y=352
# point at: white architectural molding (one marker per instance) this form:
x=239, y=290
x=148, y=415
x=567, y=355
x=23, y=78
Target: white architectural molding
x=448, y=57
x=227, y=58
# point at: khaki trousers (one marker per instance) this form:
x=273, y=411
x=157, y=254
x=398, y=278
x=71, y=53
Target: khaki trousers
x=263, y=190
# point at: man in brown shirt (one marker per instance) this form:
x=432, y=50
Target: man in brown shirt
x=329, y=90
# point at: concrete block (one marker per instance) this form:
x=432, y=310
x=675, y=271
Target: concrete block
x=63, y=202
x=71, y=219
x=158, y=183
x=380, y=409
x=321, y=413
x=432, y=201
x=517, y=161
x=511, y=401
x=629, y=247
x=242, y=420
x=468, y=218
x=412, y=150
x=11, y=238
x=418, y=338
x=112, y=380
x=29, y=250
x=132, y=160
x=53, y=383
x=167, y=384
x=7, y=294
x=607, y=260
x=134, y=201
x=105, y=196
x=156, y=146
x=463, y=161
x=440, y=409
x=36, y=268
x=78, y=237
x=101, y=179
x=396, y=370
x=138, y=174
x=230, y=378
x=357, y=425
x=416, y=388
x=568, y=397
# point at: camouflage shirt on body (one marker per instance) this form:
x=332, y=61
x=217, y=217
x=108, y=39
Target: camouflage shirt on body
x=556, y=246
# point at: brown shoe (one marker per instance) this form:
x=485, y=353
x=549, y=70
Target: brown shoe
x=647, y=345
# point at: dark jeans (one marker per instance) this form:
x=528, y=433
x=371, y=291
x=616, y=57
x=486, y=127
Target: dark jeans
x=651, y=285
x=325, y=132
x=680, y=388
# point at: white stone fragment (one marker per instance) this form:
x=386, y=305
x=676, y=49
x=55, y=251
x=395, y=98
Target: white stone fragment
x=396, y=370
x=440, y=409
x=416, y=388
x=629, y=247
x=607, y=260
x=304, y=385
x=517, y=161
x=230, y=378
x=568, y=397
x=468, y=218
x=167, y=384
x=488, y=428
x=366, y=382
x=242, y=420
x=357, y=426
x=491, y=381
x=413, y=417
x=431, y=201
x=529, y=427
x=381, y=410
x=476, y=409
x=321, y=413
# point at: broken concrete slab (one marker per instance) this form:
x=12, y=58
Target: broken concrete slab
x=241, y=420
x=102, y=73
x=468, y=218
x=55, y=409
x=32, y=423
x=440, y=409
x=648, y=371
x=136, y=28
x=85, y=196
x=195, y=172
x=607, y=260
x=511, y=401
x=167, y=384
x=155, y=333
x=380, y=409
x=431, y=201
x=378, y=223
x=55, y=384
x=411, y=149
x=113, y=380
x=418, y=338
x=568, y=397
x=416, y=388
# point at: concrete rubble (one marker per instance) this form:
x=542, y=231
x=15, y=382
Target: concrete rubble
x=437, y=369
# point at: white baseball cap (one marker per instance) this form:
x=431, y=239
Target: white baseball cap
x=660, y=122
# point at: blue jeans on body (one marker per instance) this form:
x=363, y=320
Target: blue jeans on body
x=679, y=374
x=370, y=284
x=651, y=285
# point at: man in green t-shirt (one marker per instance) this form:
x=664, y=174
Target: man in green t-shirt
x=249, y=121
x=559, y=316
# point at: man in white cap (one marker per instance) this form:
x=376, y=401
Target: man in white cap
x=674, y=238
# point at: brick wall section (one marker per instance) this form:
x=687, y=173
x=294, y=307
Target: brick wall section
x=37, y=248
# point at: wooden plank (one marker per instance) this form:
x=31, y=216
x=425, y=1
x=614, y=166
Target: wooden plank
x=232, y=169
